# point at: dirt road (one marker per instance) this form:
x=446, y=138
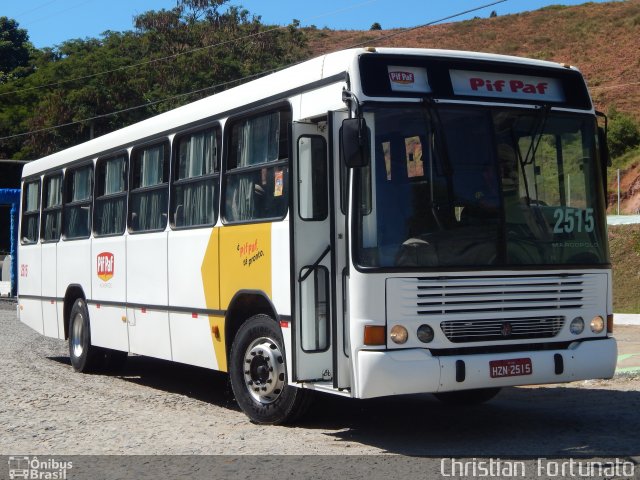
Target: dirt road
x=156, y=407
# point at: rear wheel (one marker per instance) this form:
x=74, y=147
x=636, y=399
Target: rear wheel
x=84, y=356
x=258, y=374
x=467, y=397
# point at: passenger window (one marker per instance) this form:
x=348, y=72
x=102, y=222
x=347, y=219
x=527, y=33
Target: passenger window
x=77, y=202
x=257, y=177
x=148, y=203
x=52, y=209
x=194, y=198
x=30, y=212
x=111, y=196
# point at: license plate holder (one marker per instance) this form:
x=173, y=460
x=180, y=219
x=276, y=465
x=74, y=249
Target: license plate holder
x=514, y=367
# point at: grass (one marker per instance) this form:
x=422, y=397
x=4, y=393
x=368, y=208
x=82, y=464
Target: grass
x=624, y=243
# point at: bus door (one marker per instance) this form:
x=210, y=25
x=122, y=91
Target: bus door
x=313, y=255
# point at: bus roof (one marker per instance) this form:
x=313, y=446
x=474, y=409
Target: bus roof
x=288, y=79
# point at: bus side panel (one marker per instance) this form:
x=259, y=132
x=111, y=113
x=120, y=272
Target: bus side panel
x=29, y=284
x=146, y=289
x=245, y=260
x=74, y=267
x=280, y=266
x=193, y=282
x=52, y=326
x=109, y=282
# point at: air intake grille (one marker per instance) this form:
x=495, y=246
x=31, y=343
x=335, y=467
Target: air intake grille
x=498, y=294
x=460, y=331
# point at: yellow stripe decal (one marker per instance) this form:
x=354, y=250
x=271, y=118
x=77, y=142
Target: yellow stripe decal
x=211, y=284
x=245, y=260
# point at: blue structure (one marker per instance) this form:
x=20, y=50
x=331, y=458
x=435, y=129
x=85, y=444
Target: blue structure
x=11, y=196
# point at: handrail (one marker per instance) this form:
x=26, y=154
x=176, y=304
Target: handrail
x=311, y=268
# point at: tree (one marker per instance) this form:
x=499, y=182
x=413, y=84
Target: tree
x=623, y=134
x=493, y=14
x=376, y=26
x=15, y=47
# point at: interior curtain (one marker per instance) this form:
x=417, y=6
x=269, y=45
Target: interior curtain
x=32, y=197
x=197, y=158
x=114, y=176
x=54, y=192
x=81, y=185
x=151, y=166
x=258, y=143
x=54, y=199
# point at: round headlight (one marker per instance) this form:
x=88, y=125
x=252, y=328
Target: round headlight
x=577, y=326
x=425, y=333
x=597, y=324
x=399, y=334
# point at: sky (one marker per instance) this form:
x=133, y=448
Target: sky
x=51, y=22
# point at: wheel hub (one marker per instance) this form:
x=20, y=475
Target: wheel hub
x=77, y=334
x=264, y=371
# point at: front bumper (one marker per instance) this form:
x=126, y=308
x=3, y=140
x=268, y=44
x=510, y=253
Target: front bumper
x=408, y=371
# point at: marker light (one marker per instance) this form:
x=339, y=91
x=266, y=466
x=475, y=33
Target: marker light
x=375, y=335
x=610, y=323
x=399, y=334
x=597, y=324
x=577, y=326
x=425, y=333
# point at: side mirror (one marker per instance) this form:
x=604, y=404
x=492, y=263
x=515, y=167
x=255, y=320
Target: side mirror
x=356, y=149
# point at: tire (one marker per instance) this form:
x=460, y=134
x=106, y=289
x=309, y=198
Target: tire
x=257, y=370
x=84, y=357
x=467, y=397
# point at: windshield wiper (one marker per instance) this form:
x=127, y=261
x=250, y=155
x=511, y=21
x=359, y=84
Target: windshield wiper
x=430, y=110
x=536, y=132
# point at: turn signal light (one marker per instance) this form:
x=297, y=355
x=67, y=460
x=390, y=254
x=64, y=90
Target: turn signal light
x=610, y=323
x=375, y=335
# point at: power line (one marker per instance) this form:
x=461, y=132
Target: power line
x=129, y=109
x=395, y=34
x=176, y=55
x=619, y=85
x=147, y=62
x=236, y=80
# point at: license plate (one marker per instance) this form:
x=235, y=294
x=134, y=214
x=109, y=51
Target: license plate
x=510, y=368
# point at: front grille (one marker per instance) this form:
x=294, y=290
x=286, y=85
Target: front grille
x=463, y=331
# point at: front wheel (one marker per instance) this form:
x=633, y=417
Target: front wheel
x=467, y=397
x=258, y=374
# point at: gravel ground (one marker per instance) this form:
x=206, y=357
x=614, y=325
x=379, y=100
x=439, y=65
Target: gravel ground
x=156, y=407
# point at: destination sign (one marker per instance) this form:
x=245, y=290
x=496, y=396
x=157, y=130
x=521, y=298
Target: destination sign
x=499, y=85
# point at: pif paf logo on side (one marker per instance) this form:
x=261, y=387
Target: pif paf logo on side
x=105, y=266
x=250, y=253
x=404, y=78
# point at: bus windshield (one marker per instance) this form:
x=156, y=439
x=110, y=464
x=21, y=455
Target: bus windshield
x=453, y=186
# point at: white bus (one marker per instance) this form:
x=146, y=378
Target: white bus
x=371, y=222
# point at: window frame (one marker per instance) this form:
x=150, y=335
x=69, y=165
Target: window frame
x=30, y=213
x=111, y=196
x=51, y=209
x=131, y=191
x=213, y=177
x=283, y=161
x=86, y=201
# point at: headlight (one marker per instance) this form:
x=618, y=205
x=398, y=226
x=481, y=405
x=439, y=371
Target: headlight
x=425, y=333
x=577, y=326
x=399, y=334
x=597, y=324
